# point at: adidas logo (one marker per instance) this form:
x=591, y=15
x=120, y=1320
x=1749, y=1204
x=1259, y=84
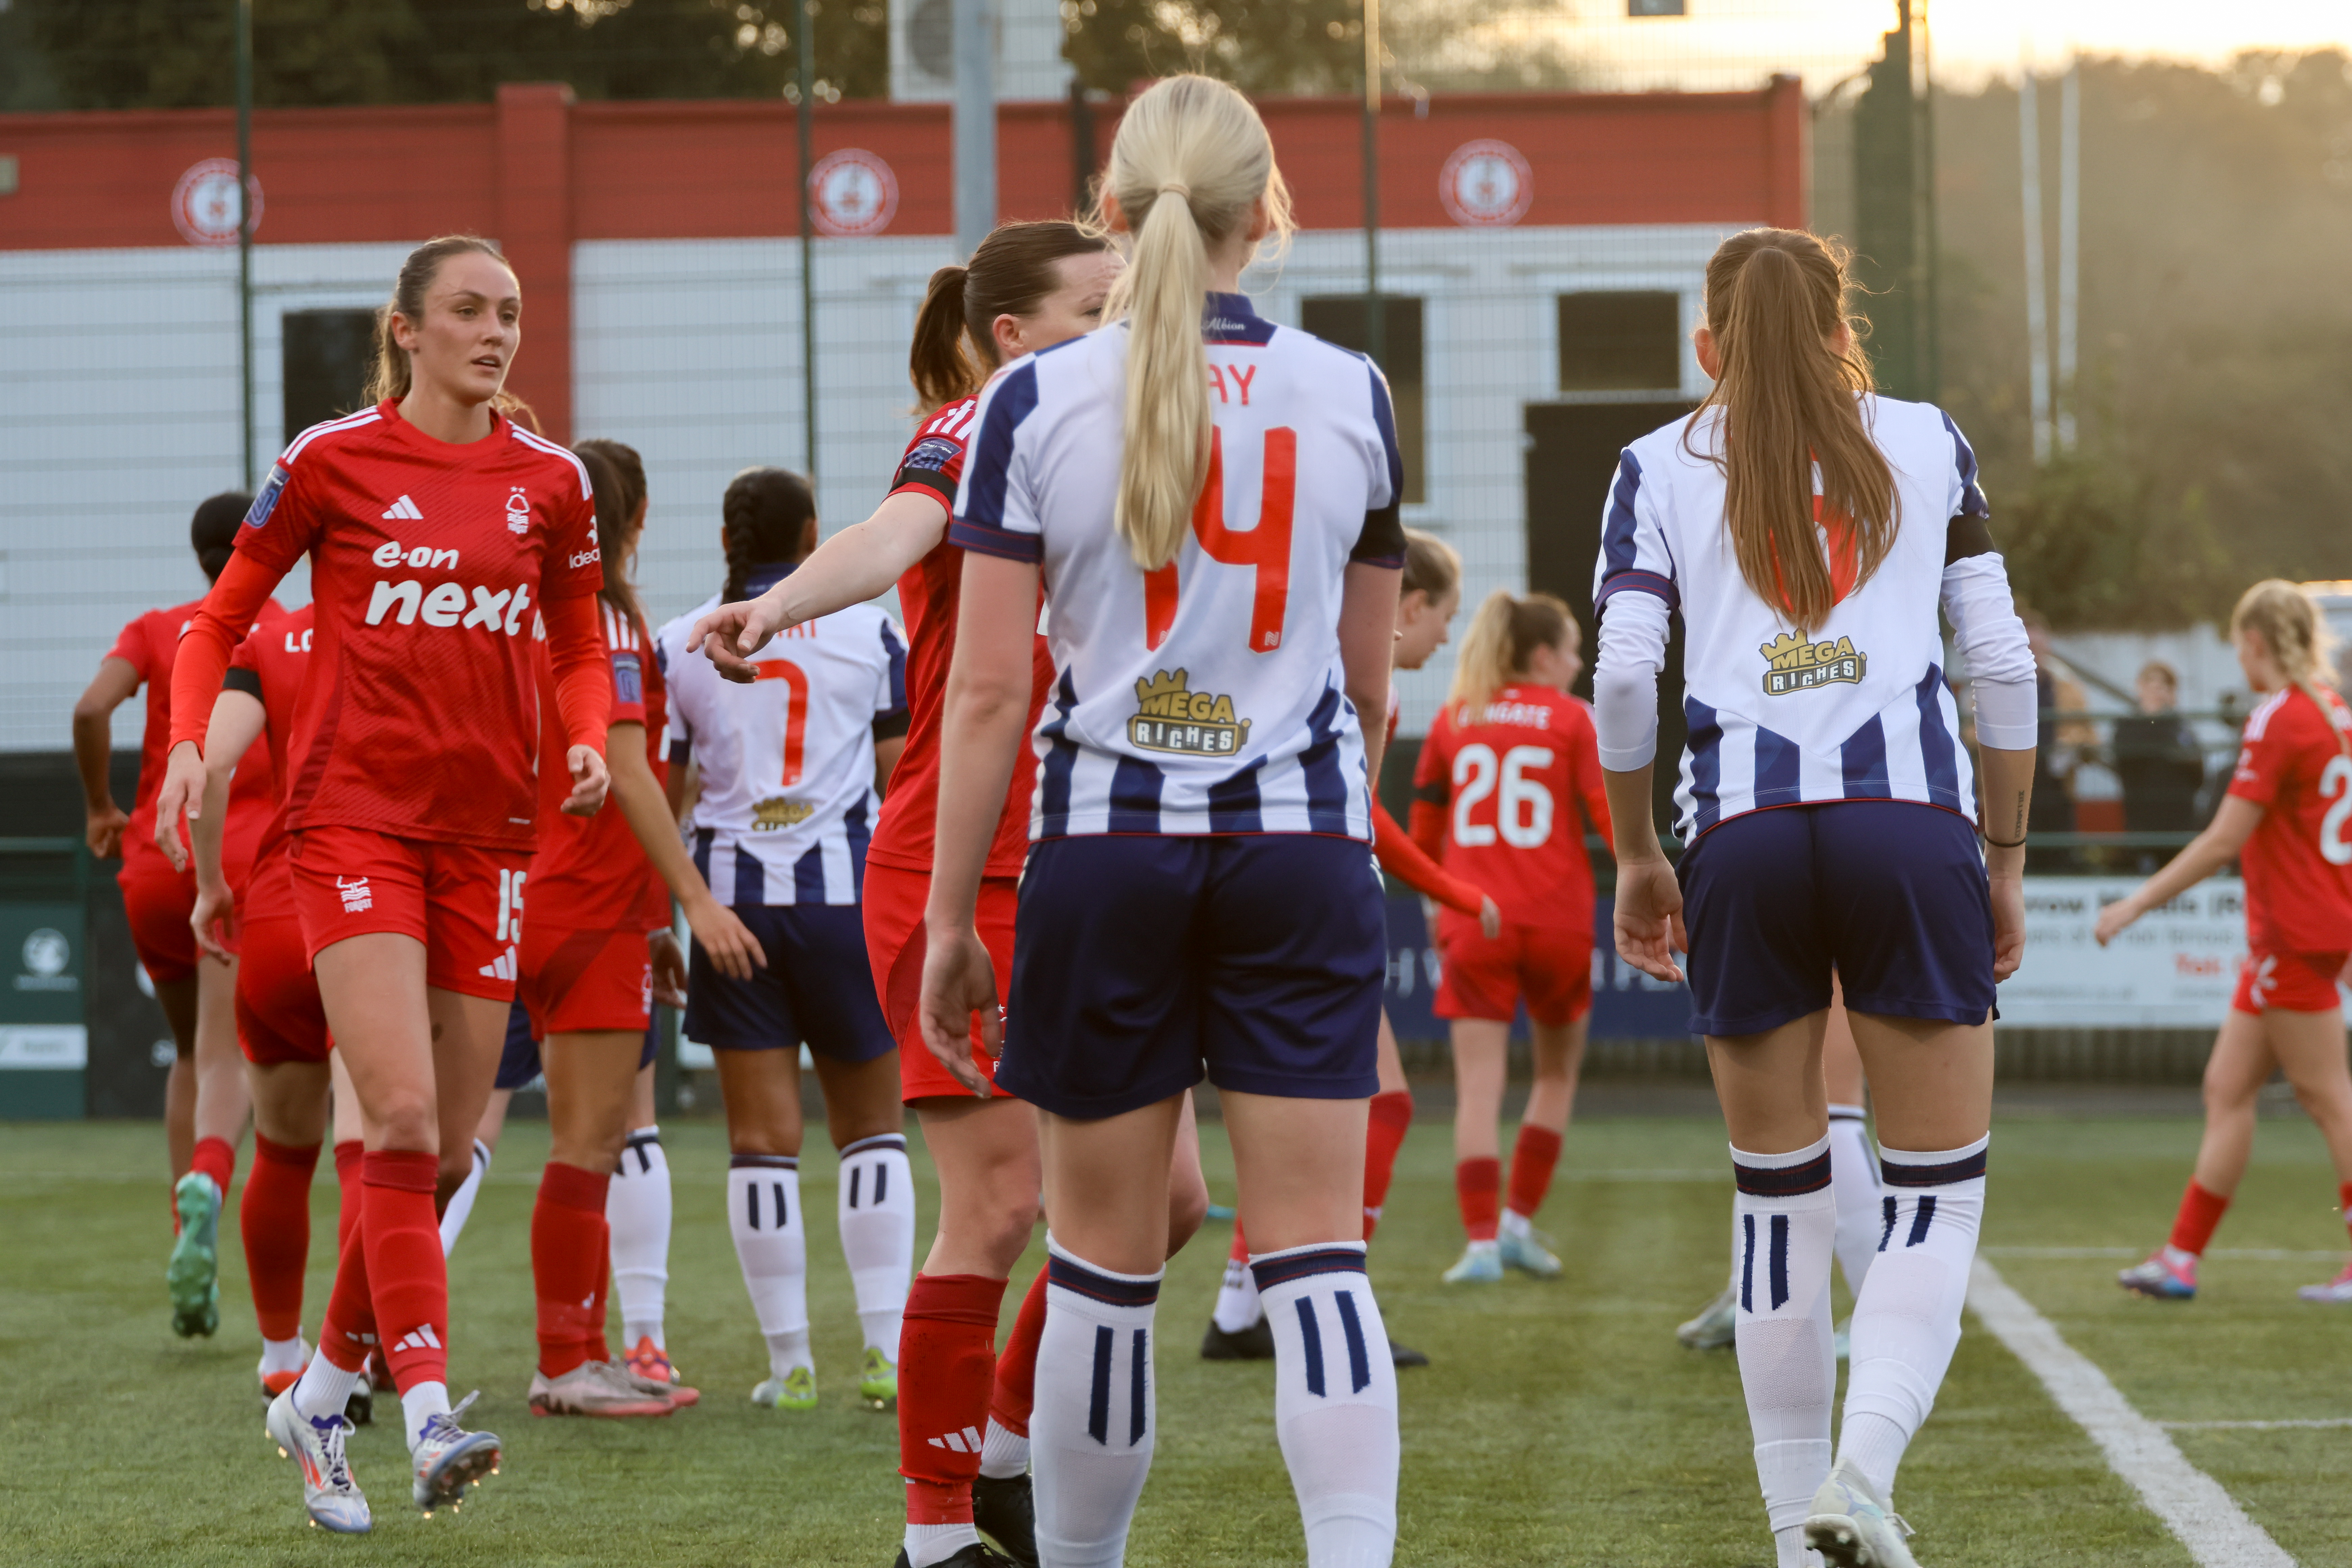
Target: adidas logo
x=502, y=967
x=964, y=1442
x=403, y=511
x=420, y=1338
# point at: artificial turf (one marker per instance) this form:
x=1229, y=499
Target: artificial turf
x=1561, y=1423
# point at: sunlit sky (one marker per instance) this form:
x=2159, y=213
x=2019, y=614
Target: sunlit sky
x=1972, y=38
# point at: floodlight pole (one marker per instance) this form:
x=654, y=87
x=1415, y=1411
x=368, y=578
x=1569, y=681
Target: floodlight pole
x=2037, y=321
x=975, y=124
x=805, y=44
x=1375, y=317
x=244, y=239
x=2070, y=249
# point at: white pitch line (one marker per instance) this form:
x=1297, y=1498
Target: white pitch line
x=2193, y=1506
x=2253, y=1254
x=2327, y=1421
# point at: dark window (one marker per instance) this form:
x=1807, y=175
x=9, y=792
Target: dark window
x=325, y=356
x=1620, y=343
x=1341, y=319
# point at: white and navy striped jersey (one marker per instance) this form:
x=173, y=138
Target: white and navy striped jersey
x=1206, y=697
x=787, y=802
x=1860, y=709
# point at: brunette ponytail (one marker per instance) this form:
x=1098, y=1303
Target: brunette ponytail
x=1011, y=274
x=616, y=477
x=769, y=515
x=1791, y=399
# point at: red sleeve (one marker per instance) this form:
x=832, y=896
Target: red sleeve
x=221, y=623
x=584, y=678
x=1402, y=859
x=1433, y=780
x=134, y=649
x=628, y=669
x=1585, y=768
x=2264, y=760
x=1429, y=827
x=573, y=563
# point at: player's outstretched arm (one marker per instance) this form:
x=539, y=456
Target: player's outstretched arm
x=859, y=563
x=2202, y=856
x=93, y=742
x=716, y=930
x=239, y=719
x=213, y=634
x=987, y=707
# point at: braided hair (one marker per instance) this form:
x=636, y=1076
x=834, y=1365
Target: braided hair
x=769, y=515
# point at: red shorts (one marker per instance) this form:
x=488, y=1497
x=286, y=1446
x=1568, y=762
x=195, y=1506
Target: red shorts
x=278, y=1018
x=2290, y=982
x=159, y=900
x=1551, y=967
x=894, y=900
x=464, y=903
x=584, y=981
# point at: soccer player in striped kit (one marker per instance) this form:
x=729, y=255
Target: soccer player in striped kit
x=1807, y=530
x=434, y=525
x=788, y=762
x=2283, y=820
x=964, y=1419
x=1210, y=502
x=205, y=1097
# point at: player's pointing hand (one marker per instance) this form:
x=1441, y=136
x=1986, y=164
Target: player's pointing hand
x=729, y=635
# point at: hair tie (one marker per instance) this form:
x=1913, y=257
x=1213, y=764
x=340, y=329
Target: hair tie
x=1178, y=187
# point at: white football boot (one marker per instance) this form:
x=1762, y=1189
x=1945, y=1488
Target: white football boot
x=316, y=1445
x=1851, y=1527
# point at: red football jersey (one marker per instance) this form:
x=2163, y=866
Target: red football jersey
x=2298, y=864
x=149, y=645
x=270, y=665
x=1510, y=776
x=421, y=718
x=591, y=873
x=927, y=598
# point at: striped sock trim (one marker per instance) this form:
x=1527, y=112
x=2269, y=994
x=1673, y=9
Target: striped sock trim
x=1273, y=1268
x=763, y=1162
x=881, y=1141
x=1782, y=1180
x=1112, y=1290
x=1902, y=1168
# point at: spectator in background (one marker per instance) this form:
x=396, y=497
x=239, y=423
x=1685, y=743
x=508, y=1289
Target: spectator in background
x=2058, y=749
x=2158, y=757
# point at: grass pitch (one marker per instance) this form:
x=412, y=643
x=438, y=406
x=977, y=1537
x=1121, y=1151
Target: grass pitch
x=1559, y=1425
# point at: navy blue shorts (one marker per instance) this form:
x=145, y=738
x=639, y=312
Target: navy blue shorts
x=1138, y=960
x=1890, y=894
x=518, y=1062
x=817, y=987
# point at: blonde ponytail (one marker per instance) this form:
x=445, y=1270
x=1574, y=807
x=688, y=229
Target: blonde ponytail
x=1190, y=160
x=2286, y=620
x=1504, y=635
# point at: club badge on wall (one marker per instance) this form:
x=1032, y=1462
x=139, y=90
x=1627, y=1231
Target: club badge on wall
x=204, y=203
x=1486, y=184
x=852, y=194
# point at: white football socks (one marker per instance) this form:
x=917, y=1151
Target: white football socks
x=1785, y=1219
x=419, y=1404
x=324, y=1389
x=283, y=1355
x=1237, y=1303
x=1004, y=1454
x=764, y=1213
x=1906, y=1322
x=1335, y=1400
x=637, y=1208
x=461, y=1202
x=1853, y=1177
x=874, y=1207
x=1091, y=1430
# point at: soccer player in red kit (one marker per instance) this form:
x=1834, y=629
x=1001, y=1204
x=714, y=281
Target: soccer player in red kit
x=204, y=1101
x=1508, y=763
x=1029, y=286
x=1429, y=592
x=434, y=525
x=2284, y=822
x=596, y=951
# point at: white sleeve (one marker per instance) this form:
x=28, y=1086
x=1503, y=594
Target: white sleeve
x=1992, y=638
x=1625, y=680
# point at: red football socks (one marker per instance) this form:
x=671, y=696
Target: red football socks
x=567, y=1263
x=1478, y=1188
x=349, y=1156
x=273, y=1221
x=946, y=1370
x=407, y=1275
x=214, y=1158
x=1532, y=1159
x=1392, y=1118
x=2200, y=1211
x=1016, y=1368
x=347, y=1333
